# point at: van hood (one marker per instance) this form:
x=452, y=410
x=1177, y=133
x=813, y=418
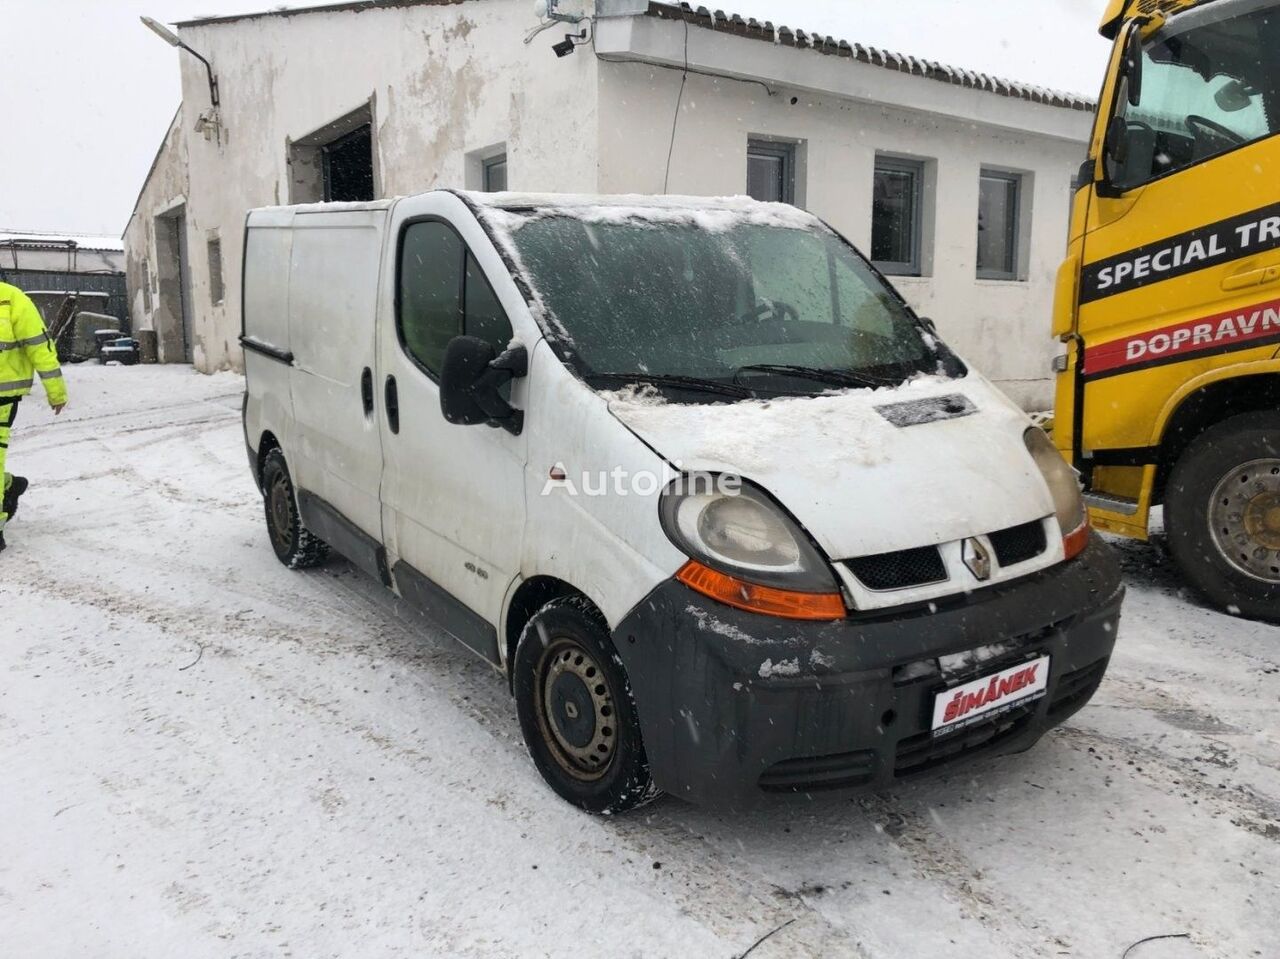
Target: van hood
x=865, y=471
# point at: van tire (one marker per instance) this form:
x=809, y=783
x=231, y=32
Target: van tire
x=295, y=545
x=1209, y=529
x=592, y=753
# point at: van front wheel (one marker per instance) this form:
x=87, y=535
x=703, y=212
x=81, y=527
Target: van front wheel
x=576, y=710
x=295, y=545
x=1222, y=514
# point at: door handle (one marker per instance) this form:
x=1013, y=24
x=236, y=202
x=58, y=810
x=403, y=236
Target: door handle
x=366, y=391
x=392, y=398
x=1257, y=276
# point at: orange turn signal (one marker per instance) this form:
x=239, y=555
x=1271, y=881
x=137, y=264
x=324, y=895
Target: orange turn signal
x=782, y=603
x=1073, y=543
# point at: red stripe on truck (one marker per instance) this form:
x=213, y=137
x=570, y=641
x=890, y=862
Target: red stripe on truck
x=1207, y=334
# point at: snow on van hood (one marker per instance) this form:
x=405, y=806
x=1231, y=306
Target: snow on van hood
x=858, y=483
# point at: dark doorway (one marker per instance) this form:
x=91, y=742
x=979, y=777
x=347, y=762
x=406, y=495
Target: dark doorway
x=348, y=166
x=172, y=317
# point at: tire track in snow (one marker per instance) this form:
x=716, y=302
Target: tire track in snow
x=1240, y=805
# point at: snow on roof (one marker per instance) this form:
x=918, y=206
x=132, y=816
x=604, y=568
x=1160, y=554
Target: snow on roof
x=832, y=46
x=753, y=29
x=60, y=241
x=350, y=6
x=711, y=213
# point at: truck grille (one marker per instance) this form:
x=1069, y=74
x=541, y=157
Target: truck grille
x=1017, y=544
x=900, y=570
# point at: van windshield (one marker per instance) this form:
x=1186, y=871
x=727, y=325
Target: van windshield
x=719, y=303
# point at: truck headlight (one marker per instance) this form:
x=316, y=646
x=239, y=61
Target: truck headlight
x=745, y=551
x=1064, y=486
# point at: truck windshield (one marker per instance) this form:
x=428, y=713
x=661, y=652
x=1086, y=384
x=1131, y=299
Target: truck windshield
x=1210, y=82
x=719, y=305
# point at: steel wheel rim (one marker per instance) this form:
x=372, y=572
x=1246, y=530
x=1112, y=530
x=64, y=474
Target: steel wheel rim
x=575, y=709
x=278, y=508
x=1244, y=519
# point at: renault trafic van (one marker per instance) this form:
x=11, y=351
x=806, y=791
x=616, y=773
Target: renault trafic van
x=731, y=519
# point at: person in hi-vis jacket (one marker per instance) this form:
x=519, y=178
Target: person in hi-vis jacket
x=26, y=351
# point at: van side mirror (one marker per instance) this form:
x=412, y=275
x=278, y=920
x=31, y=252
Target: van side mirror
x=471, y=379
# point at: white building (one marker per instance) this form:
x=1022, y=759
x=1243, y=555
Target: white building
x=957, y=183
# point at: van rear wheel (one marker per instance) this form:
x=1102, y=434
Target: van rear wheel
x=295, y=545
x=1222, y=514
x=576, y=710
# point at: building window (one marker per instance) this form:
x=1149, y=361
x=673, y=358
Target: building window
x=216, y=289
x=348, y=166
x=999, y=202
x=495, y=174
x=896, y=216
x=443, y=293
x=771, y=171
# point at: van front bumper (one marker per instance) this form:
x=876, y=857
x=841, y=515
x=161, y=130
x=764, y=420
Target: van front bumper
x=735, y=706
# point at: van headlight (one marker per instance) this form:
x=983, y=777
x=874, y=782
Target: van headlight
x=745, y=551
x=1064, y=486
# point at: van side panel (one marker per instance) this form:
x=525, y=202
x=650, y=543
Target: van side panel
x=605, y=542
x=333, y=299
x=268, y=401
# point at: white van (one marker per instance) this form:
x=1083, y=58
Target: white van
x=727, y=514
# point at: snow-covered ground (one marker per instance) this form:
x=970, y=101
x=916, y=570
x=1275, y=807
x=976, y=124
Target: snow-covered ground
x=203, y=754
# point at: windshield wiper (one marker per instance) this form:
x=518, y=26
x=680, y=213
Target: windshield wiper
x=681, y=382
x=834, y=377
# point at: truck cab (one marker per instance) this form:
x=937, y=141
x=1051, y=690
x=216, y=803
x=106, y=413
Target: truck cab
x=1168, y=303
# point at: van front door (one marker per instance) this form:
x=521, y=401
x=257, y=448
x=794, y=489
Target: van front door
x=1181, y=254
x=453, y=496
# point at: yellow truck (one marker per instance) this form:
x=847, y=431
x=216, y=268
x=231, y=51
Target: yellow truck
x=1168, y=303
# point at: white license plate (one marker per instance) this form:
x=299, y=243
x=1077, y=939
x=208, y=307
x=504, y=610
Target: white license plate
x=983, y=698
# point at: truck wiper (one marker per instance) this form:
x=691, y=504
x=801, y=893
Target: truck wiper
x=835, y=377
x=682, y=382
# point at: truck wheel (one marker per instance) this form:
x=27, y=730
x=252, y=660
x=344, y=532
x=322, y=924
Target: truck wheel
x=576, y=710
x=295, y=545
x=1222, y=514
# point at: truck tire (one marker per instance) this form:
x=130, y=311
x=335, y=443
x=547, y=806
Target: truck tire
x=295, y=545
x=1222, y=514
x=576, y=710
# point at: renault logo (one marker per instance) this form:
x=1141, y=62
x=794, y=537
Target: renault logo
x=977, y=558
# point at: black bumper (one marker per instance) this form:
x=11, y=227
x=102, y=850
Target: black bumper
x=850, y=706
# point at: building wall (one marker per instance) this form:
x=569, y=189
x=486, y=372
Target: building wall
x=1001, y=326
x=155, y=293
x=20, y=255
x=445, y=84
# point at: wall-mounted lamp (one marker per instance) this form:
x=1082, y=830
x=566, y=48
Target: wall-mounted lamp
x=548, y=13
x=171, y=38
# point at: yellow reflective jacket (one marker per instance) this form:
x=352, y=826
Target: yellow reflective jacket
x=26, y=349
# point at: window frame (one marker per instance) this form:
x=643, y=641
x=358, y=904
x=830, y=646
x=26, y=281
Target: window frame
x=462, y=286
x=487, y=165
x=784, y=150
x=1119, y=109
x=1014, y=226
x=913, y=267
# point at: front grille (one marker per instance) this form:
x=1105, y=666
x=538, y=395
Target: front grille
x=900, y=570
x=1017, y=544
x=816, y=773
x=923, y=752
x=1075, y=688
